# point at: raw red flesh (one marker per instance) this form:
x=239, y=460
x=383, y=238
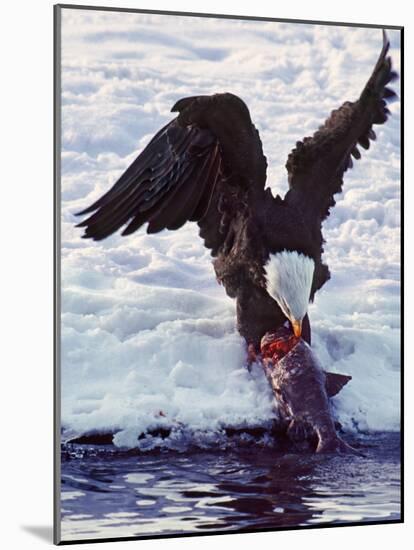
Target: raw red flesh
x=278, y=348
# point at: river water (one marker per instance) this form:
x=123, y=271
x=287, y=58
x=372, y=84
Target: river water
x=107, y=494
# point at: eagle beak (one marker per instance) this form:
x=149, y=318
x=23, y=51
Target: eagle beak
x=297, y=328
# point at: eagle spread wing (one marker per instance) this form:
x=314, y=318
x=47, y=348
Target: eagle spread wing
x=317, y=165
x=208, y=156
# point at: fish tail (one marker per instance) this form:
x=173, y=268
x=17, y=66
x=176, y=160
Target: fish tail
x=336, y=445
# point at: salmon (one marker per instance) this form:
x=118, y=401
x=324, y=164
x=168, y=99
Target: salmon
x=302, y=390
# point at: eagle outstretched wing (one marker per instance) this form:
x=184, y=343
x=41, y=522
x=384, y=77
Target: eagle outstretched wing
x=317, y=164
x=169, y=183
x=211, y=150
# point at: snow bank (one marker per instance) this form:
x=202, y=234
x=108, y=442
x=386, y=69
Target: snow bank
x=148, y=337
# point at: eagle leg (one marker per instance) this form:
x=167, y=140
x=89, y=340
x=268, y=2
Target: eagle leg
x=253, y=355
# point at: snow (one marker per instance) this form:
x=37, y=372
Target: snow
x=148, y=337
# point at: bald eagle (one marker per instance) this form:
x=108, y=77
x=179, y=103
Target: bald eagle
x=207, y=165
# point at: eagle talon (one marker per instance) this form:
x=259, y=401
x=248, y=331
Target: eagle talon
x=252, y=355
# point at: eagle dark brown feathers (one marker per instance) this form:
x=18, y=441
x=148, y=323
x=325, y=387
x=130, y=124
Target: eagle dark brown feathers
x=317, y=164
x=170, y=182
x=210, y=155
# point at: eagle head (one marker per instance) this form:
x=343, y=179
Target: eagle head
x=289, y=276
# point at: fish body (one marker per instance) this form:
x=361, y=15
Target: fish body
x=301, y=388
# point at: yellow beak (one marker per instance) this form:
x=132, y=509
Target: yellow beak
x=297, y=328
